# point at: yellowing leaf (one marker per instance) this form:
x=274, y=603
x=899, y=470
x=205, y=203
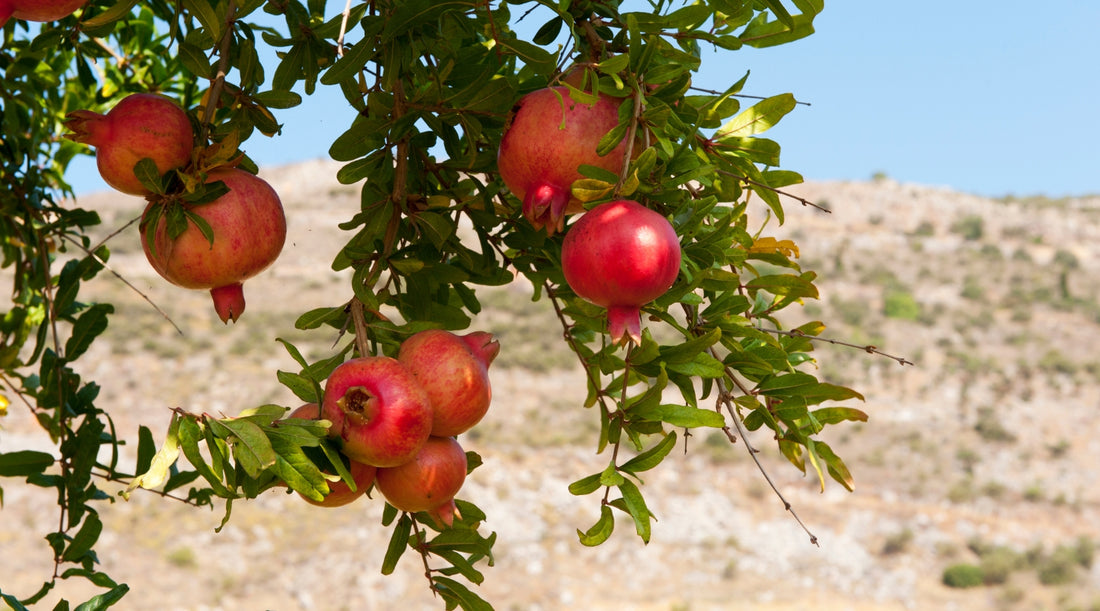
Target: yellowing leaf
x=770, y=245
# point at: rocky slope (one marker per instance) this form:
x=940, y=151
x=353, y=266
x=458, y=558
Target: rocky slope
x=987, y=442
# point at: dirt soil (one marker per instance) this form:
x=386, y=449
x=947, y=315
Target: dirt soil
x=989, y=439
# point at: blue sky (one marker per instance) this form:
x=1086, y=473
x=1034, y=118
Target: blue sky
x=984, y=96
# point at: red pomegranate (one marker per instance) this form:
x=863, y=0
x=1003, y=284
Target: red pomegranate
x=37, y=10
x=621, y=255
x=249, y=232
x=379, y=412
x=142, y=125
x=549, y=137
x=340, y=493
x=429, y=481
x=454, y=370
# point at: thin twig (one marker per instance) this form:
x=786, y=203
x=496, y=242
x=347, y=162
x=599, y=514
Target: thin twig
x=106, y=266
x=343, y=30
x=868, y=349
x=801, y=200
x=223, y=67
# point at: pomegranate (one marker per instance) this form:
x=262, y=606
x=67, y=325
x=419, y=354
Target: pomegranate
x=429, y=481
x=249, y=231
x=37, y=10
x=142, y=125
x=547, y=139
x=379, y=412
x=621, y=255
x=340, y=493
x=454, y=371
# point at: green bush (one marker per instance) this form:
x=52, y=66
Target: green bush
x=969, y=227
x=963, y=576
x=1059, y=568
x=900, y=303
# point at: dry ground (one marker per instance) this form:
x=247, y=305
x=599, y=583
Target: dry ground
x=989, y=440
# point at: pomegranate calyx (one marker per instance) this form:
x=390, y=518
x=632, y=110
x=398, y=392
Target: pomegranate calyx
x=228, y=301
x=544, y=207
x=86, y=126
x=358, y=404
x=484, y=346
x=624, y=324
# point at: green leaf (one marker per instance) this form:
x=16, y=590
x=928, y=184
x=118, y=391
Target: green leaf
x=354, y=60
x=190, y=435
x=86, y=328
x=146, y=449
x=148, y=175
x=104, y=600
x=201, y=224
x=117, y=11
x=278, y=98
x=399, y=541
x=601, y=530
x=548, y=32
x=787, y=285
x=539, y=59
x=586, y=485
x=637, y=509
x=24, y=462
x=251, y=447
x=687, y=351
x=651, y=457
x=203, y=10
x=457, y=594
x=834, y=415
x=681, y=415
x=759, y=117
x=84, y=539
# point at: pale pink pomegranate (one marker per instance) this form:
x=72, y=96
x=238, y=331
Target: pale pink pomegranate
x=621, y=255
x=454, y=371
x=547, y=140
x=37, y=10
x=142, y=125
x=249, y=232
x=379, y=412
x=429, y=481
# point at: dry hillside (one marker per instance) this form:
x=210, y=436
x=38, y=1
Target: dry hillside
x=984, y=452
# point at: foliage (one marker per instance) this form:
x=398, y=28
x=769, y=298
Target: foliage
x=963, y=576
x=428, y=88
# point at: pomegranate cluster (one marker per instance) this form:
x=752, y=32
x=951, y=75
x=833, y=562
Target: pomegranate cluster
x=242, y=232
x=395, y=419
x=620, y=255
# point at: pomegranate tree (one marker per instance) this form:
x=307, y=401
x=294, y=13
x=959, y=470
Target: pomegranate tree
x=621, y=255
x=37, y=10
x=429, y=481
x=454, y=370
x=549, y=137
x=380, y=414
x=142, y=125
x=248, y=228
x=340, y=493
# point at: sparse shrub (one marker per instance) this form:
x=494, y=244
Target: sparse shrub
x=897, y=542
x=1059, y=568
x=997, y=564
x=991, y=251
x=963, y=576
x=1084, y=551
x=962, y=491
x=990, y=428
x=1056, y=362
x=852, y=312
x=970, y=227
x=973, y=289
x=924, y=229
x=900, y=303
x=1033, y=493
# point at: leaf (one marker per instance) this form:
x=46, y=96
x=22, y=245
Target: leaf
x=586, y=485
x=456, y=593
x=759, y=117
x=24, y=462
x=399, y=541
x=190, y=435
x=354, y=60
x=681, y=415
x=203, y=10
x=148, y=175
x=146, y=449
x=834, y=415
x=84, y=538
x=86, y=328
x=837, y=469
x=601, y=530
x=548, y=32
x=251, y=448
x=117, y=11
x=161, y=463
x=539, y=59
x=636, y=507
x=786, y=285
x=651, y=457
x=104, y=600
